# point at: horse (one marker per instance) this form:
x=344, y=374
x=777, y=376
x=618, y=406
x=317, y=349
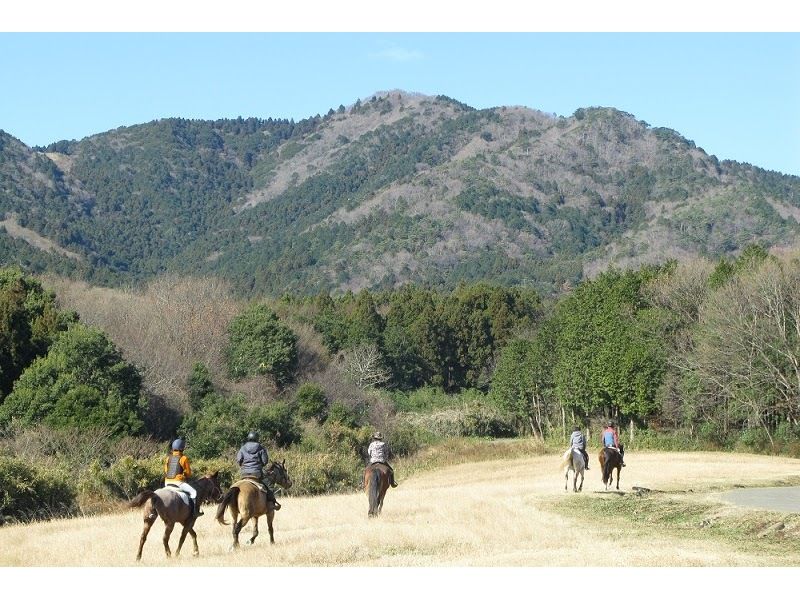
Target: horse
x=247, y=501
x=376, y=482
x=168, y=505
x=573, y=461
x=610, y=459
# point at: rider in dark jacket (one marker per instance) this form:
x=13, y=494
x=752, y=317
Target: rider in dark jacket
x=252, y=458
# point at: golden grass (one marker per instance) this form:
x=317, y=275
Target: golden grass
x=486, y=513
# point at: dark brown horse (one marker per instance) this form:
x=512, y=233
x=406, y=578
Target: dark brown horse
x=610, y=459
x=168, y=505
x=247, y=501
x=376, y=482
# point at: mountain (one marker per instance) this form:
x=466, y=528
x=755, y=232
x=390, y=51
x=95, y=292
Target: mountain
x=400, y=187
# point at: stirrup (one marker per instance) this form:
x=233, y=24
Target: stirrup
x=277, y=506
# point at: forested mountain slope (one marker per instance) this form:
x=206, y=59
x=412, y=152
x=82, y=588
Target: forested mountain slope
x=401, y=187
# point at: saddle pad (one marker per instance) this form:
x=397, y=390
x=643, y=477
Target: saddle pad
x=253, y=482
x=184, y=496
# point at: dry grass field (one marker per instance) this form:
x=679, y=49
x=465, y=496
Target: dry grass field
x=490, y=513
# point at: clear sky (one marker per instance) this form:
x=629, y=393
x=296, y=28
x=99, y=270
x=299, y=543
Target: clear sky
x=736, y=95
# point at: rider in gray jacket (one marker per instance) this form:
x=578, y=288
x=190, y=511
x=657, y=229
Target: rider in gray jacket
x=252, y=458
x=578, y=440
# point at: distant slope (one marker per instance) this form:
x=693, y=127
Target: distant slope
x=401, y=187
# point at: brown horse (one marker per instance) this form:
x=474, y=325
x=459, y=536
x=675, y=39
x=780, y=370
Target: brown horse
x=610, y=459
x=376, y=482
x=168, y=505
x=247, y=501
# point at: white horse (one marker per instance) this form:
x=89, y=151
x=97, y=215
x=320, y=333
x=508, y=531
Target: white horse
x=573, y=460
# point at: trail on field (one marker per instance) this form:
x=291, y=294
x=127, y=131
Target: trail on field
x=491, y=513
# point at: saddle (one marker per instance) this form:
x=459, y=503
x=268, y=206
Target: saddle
x=255, y=483
x=182, y=494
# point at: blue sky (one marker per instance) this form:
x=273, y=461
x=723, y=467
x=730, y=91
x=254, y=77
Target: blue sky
x=736, y=95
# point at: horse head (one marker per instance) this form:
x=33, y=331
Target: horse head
x=277, y=474
x=210, y=484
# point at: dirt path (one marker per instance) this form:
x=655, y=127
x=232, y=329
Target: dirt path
x=486, y=514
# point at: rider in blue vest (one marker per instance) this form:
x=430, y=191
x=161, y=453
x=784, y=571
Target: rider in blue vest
x=611, y=439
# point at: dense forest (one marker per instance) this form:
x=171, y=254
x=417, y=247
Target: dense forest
x=95, y=381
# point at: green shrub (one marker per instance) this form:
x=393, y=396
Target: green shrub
x=275, y=422
x=405, y=439
x=340, y=413
x=320, y=473
x=474, y=419
x=28, y=493
x=259, y=345
x=82, y=382
x=218, y=425
x=124, y=478
x=754, y=439
x=310, y=402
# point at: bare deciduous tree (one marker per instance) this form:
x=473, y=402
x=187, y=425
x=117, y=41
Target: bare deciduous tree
x=364, y=366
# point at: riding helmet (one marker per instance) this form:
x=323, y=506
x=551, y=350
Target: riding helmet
x=377, y=436
x=610, y=423
x=576, y=428
x=179, y=444
x=252, y=437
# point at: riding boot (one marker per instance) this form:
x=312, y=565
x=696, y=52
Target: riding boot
x=392, y=483
x=586, y=458
x=271, y=498
x=194, y=505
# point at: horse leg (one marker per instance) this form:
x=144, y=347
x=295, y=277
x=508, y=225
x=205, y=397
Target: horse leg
x=237, y=527
x=167, y=533
x=619, y=472
x=255, y=531
x=566, y=479
x=185, y=531
x=580, y=488
x=270, y=517
x=148, y=523
x=193, y=534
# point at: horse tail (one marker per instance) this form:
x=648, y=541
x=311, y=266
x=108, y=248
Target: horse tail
x=607, y=467
x=141, y=498
x=374, y=489
x=566, y=459
x=230, y=496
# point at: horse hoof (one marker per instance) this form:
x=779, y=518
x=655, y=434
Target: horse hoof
x=249, y=542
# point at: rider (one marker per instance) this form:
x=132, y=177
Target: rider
x=177, y=470
x=379, y=453
x=611, y=439
x=252, y=458
x=578, y=441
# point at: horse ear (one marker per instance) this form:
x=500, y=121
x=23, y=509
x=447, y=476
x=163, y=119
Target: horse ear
x=215, y=474
x=283, y=462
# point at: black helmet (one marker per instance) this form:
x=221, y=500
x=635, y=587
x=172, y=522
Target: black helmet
x=576, y=428
x=610, y=423
x=252, y=437
x=179, y=444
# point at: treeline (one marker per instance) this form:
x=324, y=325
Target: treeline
x=706, y=349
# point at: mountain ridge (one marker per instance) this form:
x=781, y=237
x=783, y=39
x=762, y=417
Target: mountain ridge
x=398, y=188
